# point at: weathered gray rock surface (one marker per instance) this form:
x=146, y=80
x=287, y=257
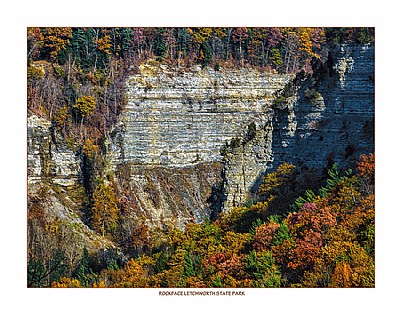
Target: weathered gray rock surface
x=54, y=167
x=331, y=116
x=49, y=158
x=177, y=118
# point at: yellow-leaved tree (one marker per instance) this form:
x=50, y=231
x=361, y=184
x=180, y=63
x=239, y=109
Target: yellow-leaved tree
x=105, y=210
x=85, y=105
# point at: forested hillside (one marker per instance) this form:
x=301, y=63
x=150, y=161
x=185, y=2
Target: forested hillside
x=321, y=239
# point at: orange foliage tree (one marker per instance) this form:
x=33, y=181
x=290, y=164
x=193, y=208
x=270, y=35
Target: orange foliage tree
x=55, y=39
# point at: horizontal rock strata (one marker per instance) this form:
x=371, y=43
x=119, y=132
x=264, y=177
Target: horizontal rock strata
x=49, y=159
x=180, y=118
x=176, y=119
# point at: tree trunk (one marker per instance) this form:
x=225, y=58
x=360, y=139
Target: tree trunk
x=81, y=127
x=228, y=42
x=69, y=66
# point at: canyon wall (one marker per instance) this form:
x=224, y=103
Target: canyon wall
x=178, y=118
x=48, y=158
x=191, y=142
x=330, y=116
x=313, y=122
x=55, y=185
x=186, y=122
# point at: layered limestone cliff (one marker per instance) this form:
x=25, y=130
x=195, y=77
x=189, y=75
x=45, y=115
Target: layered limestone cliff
x=245, y=164
x=177, y=120
x=314, y=122
x=47, y=160
x=193, y=141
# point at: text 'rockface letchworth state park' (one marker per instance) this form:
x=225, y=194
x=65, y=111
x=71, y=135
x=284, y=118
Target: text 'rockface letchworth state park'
x=200, y=157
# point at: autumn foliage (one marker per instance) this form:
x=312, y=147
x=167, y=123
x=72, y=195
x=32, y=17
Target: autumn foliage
x=328, y=242
x=85, y=105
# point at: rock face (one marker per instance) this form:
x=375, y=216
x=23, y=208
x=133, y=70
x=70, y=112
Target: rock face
x=331, y=116
x=244, y=165
x=38, y=138
x=182, y=119
x=47, y=160
x=318, y=121
x=54, y=168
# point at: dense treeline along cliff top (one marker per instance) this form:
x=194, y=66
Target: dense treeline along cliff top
x=76, y=75
x=138, y=138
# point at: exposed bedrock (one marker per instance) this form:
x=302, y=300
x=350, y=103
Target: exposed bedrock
x=330, y=118
x=178, y=120
x=191, y=142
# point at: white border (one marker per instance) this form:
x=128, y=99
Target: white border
x=17, y=15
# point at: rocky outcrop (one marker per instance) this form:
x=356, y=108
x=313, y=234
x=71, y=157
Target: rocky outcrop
x=245, y=164
x=330, y=117
x=38, y=145
x=49, y=158
x=54, y=185
x=178, y=118
x=183, y=120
